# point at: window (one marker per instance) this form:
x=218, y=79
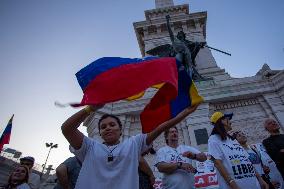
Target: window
x=201, y=136
x=152, y=29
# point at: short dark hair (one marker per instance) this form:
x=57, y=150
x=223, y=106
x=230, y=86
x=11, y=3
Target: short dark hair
x=166, y=133
x=219, y=129
x=112, y=116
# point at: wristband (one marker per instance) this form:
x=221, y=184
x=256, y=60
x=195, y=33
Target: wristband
x=89, y=109
x=230, y=181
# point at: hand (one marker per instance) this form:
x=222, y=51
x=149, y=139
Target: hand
x=276, y=184
x=266, y=169
x=188, y=167
x=234, y=185
x=152, y=180
x=192, y=108
x=189, y=155
x=96, y=107
x=263, y=184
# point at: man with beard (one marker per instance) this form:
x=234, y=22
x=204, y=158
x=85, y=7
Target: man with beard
x=274, y=144
x=175, y=162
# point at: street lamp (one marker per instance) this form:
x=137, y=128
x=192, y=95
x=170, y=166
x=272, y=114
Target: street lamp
x=50, y=146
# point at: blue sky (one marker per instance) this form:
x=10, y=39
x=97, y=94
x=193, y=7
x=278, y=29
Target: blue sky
x=44, y=43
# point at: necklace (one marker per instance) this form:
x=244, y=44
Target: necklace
x=110, y=154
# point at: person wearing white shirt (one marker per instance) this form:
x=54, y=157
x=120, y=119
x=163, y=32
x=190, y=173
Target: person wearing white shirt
x=234, y=169
x=111, y=164
x=254, y=157
x=175, y=162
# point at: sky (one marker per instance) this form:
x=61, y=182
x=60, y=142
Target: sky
x=44, y=43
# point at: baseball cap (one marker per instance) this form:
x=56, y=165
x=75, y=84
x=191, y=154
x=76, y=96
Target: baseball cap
x=28, y=158
x=217, y=115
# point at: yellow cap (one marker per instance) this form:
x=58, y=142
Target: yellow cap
x=216, y=116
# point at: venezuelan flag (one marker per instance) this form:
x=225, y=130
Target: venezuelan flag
x=111, y=79
x=5, y=138
x=160, y=110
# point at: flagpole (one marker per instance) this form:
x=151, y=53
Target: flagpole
x=50, y=146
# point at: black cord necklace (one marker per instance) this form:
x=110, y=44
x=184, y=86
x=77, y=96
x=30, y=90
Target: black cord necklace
x=110, y=154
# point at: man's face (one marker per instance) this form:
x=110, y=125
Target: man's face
x=28, y=163
x=272, y=126
x=172, y=135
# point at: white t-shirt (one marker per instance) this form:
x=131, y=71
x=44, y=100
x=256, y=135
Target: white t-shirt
x=255, y=160
x=120, y=173
x=23, y=186
x=235, y=160
x=274, y=174
x=34, y=180
x=179, y=179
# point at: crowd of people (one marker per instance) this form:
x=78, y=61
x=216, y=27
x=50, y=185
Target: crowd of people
x=116, y=164
x=121, y=164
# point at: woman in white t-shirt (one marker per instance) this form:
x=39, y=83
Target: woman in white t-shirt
x=234, y=169
x=274, y=174
x=271, y=176
x=111, y=164
x=254, y=157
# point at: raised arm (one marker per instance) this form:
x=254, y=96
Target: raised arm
x=170, y=29
x=168, y=124
x=62, y=176
x=70, y=126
